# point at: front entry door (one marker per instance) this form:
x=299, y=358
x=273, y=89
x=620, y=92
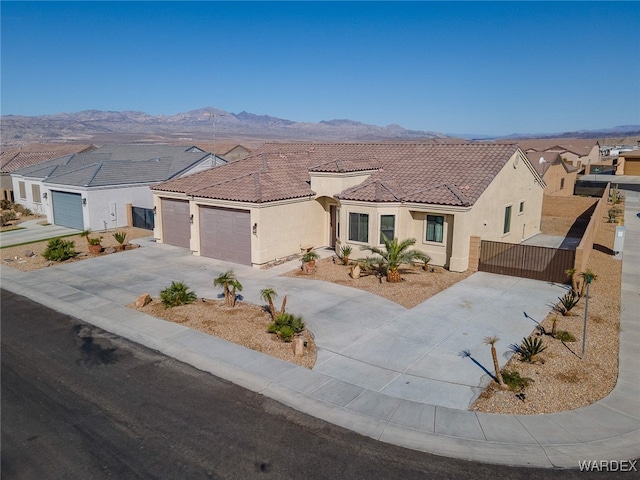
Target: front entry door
x=333, y=225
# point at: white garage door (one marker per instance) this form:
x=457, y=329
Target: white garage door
x=225, y=234
x=67, y=209
x=176, y=228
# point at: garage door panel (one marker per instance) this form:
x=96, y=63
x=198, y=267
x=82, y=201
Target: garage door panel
x=632, y=167
x=67, y=209
x=225, y=234
x=176, y=228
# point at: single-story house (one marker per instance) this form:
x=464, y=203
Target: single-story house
x=292, y=195
x=92, y=190
x=629, y=163
x=28, y=156
x=578, y=152
x=558, y=175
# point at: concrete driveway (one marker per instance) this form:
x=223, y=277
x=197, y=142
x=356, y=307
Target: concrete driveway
x=32, y=231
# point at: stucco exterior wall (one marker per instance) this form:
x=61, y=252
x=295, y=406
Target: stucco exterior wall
x=283, y=228
x=514, y=184
x=106, y=208
x=553, y=178
x=40, y=208
x=330, y=184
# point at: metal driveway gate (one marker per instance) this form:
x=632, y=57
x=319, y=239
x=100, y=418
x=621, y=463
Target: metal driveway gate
x=142, y=218
x=526, y=261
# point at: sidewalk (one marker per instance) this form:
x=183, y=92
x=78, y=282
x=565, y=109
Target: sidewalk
x=379, y=365
x=33, y=231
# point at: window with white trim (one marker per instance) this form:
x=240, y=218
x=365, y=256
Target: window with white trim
x=359, y=227
x=22, y=190
x=435, y=228
x=387, y=227
x=35, y=193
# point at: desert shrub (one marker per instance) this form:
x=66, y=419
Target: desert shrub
x=120, y=237
x=565, y=336
x=345, y=250
x=286, y=326
x=567, y=302
x=613, y=214
x=5, y=204
x=514, y=381
x=177, y=294
x=22, y=209
x=59, y=250
x=530, y=347
x=6, y=217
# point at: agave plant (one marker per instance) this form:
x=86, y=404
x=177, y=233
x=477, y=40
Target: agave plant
x=530, y=348
x=394, y=254
x=567, y=302
x=120, y=238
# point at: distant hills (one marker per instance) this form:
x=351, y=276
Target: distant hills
x=97, y=126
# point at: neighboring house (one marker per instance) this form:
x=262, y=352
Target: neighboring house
x=559, y=177
x=28, y=156
x=629, y=163
x=236, y=153
x=577, y=152
x=91, y=190
x=290, y=196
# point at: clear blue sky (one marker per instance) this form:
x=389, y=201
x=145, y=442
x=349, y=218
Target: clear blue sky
x=452, y=67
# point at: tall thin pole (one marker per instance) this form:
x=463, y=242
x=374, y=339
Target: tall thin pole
x=584, y=330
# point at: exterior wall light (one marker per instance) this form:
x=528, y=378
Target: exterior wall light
x=84, y=202
x=254, y=229
x=44, y=195
x=191, y=218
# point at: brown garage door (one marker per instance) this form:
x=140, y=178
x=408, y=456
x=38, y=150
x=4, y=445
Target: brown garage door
x=632, y=167
x=225, y=234
x=176, y=228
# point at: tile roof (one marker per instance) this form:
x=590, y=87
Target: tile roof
x=407, y=172
x=550, y=158
x=12, y=160
x=117, y=165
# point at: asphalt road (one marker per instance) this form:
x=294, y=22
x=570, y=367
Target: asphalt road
x=81, y=403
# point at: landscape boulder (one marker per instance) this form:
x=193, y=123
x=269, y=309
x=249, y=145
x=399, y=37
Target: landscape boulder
x=143, y=300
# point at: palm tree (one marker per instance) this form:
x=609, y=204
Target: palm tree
x=230, y=285
x=268, y=294
x=393, y=255
x=492, y=341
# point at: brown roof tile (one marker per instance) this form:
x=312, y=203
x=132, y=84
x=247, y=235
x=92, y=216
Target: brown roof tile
x=408, y=172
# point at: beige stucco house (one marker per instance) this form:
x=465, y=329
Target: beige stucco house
x=292, y=195
x=558, y=175
x=577, y=152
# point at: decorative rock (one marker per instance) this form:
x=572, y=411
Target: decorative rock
x=29, y=253
x=143, y=300
x=355, y=271
x=110, y=250
x=298, y=346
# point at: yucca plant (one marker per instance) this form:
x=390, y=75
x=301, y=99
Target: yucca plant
x=177, y=294
x=494, y=355
x=120, y=238
x=567, y=302
x=345, y=250
x=530, y=348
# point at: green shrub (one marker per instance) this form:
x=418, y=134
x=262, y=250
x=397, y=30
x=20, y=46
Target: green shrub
x=286, y=326
x=530, y=348
x=514, y=381
x=177, y=294
x=59, y=250
x=120, y=237
x=565, y=336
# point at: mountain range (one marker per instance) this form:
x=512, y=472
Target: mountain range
x=205, y=124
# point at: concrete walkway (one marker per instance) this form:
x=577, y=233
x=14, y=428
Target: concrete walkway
x=393, y=374
x=33, y=231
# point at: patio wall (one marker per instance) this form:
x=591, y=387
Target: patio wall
x=586, y=244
